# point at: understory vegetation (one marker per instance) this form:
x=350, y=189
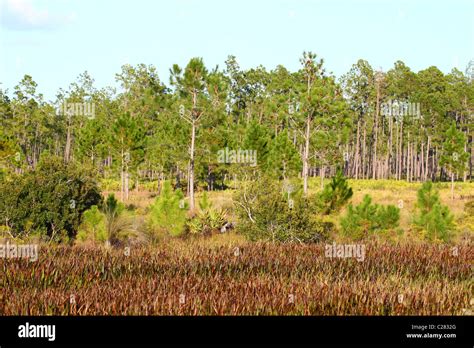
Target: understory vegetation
x=59, y=202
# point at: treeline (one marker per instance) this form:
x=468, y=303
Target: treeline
x=380, y=125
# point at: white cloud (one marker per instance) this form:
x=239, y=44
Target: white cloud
x=25, y=15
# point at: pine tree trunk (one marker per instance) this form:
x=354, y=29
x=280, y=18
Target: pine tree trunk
x=397, y=155
x=191, y=168
x=400, y=144
x=122, y=178
x=419, y=163
x=427, y=159
x=374, y=160
x=464, y=177
x=306, y=156
x=408, y=158
x=357, y=152
x=422, y=161
x=364, y=153
x=390, y=150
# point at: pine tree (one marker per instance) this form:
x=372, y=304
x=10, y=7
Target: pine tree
x=89, y=141
x=366, y=219
x=434, y=219
x=454, y=157
x=204, y=203
x=93, y=226
x=128, y=142
x=283, y=160
x=336, y=194
x=191, y=84
x=168, y=213
x=257, y=138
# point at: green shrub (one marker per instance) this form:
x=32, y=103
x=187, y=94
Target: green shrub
x=204, y=203
x=118, y=225
x=366, y=219
x=49, y=201
x=167, y=214
x=207, y=220
x=109, y=223
x=434, y=220
x=336, y=194
x=93, y=226
x=266, y=212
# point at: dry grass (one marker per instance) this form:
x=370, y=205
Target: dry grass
x=212, y=277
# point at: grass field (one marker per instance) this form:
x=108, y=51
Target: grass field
x=225, y=275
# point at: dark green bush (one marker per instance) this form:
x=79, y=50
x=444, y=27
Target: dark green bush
x=48, y=201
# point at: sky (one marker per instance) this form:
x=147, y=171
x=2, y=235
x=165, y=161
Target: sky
x=56, y=40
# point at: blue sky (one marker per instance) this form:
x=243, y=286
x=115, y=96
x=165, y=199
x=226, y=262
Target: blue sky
x=56, y=40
